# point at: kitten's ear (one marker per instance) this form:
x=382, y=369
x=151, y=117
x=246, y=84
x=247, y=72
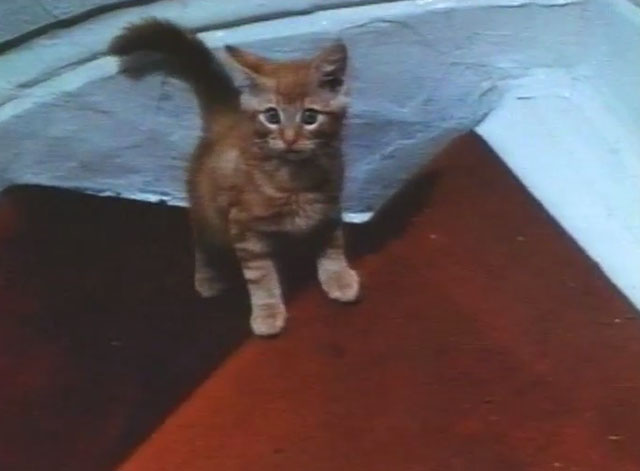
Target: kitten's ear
x=251, y=64
x=331, y=65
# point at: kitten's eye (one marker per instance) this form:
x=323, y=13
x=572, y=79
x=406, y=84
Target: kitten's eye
x=332, y=83
x=271, y=115
x=309, y=116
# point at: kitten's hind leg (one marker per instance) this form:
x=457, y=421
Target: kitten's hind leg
x=207, y=280
x=338, y=280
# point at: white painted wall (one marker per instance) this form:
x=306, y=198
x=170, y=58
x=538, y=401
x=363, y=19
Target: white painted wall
x=551, y=84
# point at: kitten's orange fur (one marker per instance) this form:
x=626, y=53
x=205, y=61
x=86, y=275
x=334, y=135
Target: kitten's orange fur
x=257, y=172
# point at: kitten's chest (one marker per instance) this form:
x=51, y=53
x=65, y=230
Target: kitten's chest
x=296, y=213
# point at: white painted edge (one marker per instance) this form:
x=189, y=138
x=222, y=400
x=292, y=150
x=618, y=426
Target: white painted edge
x=581, y=163
x=357, y=217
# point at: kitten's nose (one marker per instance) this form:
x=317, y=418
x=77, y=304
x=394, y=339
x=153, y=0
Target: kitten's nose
x=289, y=137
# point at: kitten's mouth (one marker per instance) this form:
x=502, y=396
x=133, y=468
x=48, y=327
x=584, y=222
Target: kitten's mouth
x=295, y=156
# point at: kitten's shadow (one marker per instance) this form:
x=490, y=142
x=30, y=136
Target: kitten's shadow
x=394, y=217
x=297, y=260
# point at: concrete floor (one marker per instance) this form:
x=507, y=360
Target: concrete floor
x=486, y=340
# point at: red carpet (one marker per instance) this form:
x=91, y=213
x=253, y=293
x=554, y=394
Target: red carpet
x=486, y=340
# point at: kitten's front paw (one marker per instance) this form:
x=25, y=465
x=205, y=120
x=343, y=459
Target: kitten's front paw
x=207, y=286
x=268, y=319
x=342, y=285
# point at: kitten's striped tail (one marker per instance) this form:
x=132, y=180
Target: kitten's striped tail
x=186, y=57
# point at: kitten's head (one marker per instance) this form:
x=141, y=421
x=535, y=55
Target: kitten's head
x=297, y=106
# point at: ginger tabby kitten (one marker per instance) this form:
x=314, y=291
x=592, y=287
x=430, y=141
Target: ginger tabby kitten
x=268, y=162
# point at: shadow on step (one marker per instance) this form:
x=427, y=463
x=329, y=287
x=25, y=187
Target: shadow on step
x=101, y=334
